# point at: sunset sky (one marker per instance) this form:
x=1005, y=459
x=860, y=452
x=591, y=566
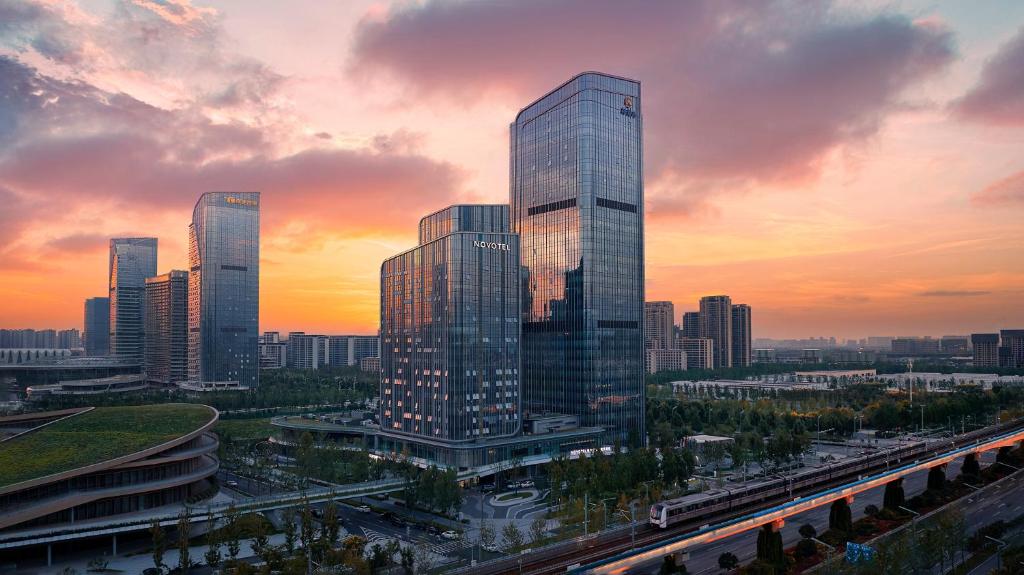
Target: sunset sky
x=846, y=168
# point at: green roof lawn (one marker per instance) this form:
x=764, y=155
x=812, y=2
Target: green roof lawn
x=95, y=436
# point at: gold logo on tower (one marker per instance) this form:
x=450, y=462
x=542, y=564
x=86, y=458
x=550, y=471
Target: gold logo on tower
x=241, y=202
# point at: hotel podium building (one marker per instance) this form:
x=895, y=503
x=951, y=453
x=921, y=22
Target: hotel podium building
x=224, y=290
x=577, y=205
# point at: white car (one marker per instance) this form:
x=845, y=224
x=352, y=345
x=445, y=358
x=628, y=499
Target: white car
x=490, y=547
x=231, y=483
x=527, y=484
x=363, y=509
x=450, y=535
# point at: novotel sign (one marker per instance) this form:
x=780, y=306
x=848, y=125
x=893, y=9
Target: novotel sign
x=491, y=246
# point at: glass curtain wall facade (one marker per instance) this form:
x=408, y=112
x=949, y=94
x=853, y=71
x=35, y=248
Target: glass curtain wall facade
x=224, y=289
x=450, y=337
x=167, y=328
x=97, y=326
x=131, y=261
x=741, y=339
x=577, y=204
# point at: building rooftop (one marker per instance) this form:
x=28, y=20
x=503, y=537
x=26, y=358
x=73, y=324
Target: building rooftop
x=95, y=436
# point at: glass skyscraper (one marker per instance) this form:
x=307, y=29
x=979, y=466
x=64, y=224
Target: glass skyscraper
x=577, y=204
x=450, y=322
x=97, y=326
x=224, y=289
x=131, y=261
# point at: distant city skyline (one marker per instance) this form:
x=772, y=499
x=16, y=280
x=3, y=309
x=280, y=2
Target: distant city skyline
x=892, y=206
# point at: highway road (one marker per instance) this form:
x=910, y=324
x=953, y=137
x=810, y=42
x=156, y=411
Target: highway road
x=704, y=559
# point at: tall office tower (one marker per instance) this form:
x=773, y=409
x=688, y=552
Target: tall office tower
x=167, y=328
x=691, y=325
x=577, y=204
x=986, y=349
x=659, y=325
x=716, y=325
x=700, y=352
x=224, y=289
x=69, y=339
x=132, y=260
x=97, y=326
x=741, y=347
x=449, y=324
x=1011, y=348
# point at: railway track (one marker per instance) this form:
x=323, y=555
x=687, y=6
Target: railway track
x=566, y=555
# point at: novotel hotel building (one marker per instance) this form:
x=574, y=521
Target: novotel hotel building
x=450, y=348
x=450, y=329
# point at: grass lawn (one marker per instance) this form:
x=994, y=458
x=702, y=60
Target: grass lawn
x=244, y=429
x=98, y=435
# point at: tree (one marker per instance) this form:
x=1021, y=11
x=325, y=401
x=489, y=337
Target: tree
x=937, y=478
x=159, y=544
x=808, y=531
x=260, y=540
x=894, y=497
x=512, y=536
x=728, y=561
x=231, y=527
x=487, y=533
x=212, y=555
x=289, y=529
x=970, y=468
x=407, y=557
x=840, y=517
x=538, y=530
x=184, y=529
x=423, y=559
x=331, y=526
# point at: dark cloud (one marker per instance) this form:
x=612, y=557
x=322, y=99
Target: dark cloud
x=953, y=293
x=1007, y=191
x=757, y=91
x=77, y=145
x=998, y=97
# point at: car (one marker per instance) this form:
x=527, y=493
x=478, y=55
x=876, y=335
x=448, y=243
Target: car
x=526, y=484
x=450, y=535
x=433, y=530
x=486, y=487
x=490, y=547
x=363, y=509
x=231, y=483
x=396, y=521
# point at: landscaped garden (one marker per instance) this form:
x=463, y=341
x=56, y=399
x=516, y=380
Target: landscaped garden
x=94, y=436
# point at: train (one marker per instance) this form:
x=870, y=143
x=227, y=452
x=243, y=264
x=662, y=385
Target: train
x=717, y=501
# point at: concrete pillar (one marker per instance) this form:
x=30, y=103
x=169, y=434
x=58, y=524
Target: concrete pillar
x=49, y=555
x=115, y=545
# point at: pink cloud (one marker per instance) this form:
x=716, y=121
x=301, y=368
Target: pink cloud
x=998, y=97
x=1007, y=191
x=731, y=89
x=74, y=143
